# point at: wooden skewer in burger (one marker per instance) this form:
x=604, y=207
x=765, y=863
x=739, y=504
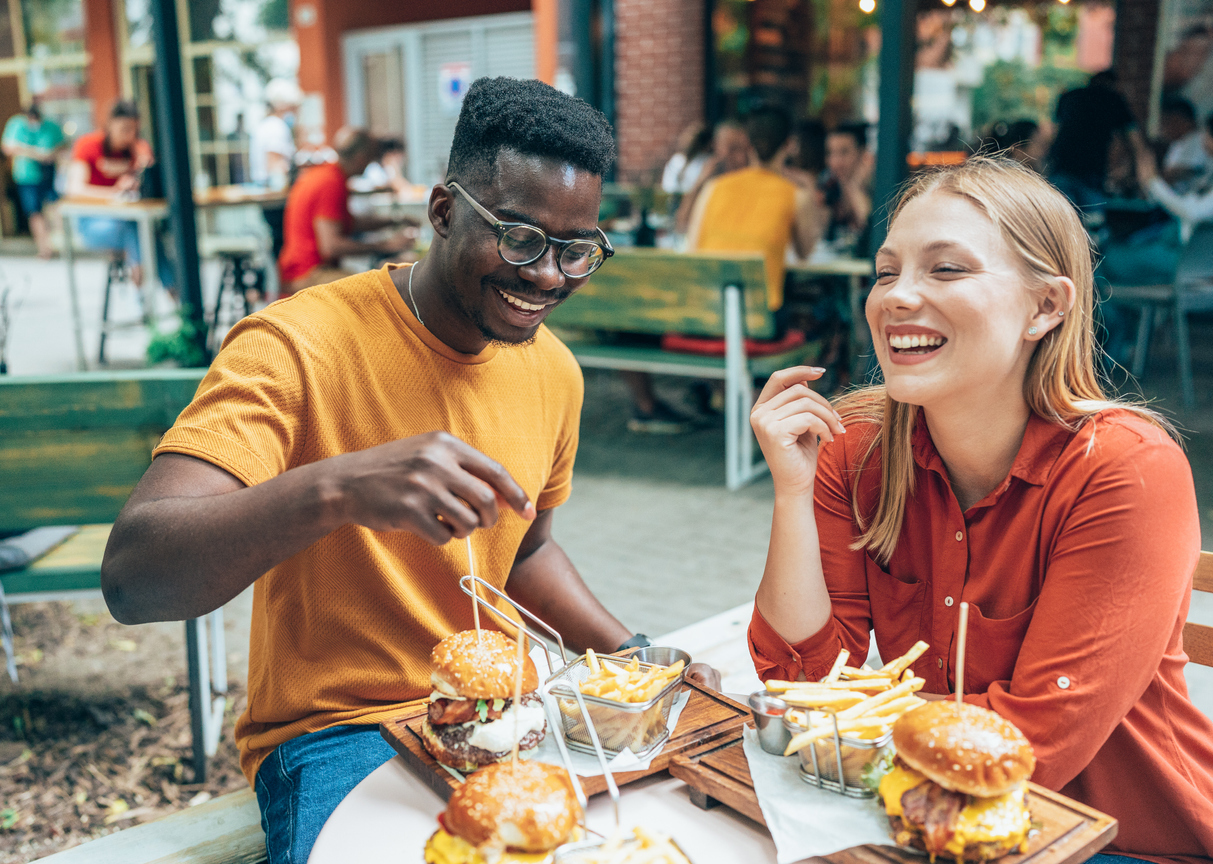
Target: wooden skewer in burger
x=958, y=786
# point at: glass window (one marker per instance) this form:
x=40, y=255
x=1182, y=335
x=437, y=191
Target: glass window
x=138, y=22
x=53, y=27
x=7, y=48
x=246, y=21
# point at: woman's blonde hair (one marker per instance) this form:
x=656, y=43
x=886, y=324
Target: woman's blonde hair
x=1061, y=384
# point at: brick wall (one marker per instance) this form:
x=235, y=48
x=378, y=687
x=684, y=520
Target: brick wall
x=658, y=81
x=1137, y=26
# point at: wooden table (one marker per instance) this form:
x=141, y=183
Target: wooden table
x=857, y=271
x=144, y=214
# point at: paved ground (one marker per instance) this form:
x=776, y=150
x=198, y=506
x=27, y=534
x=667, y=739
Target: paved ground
x=649, y=524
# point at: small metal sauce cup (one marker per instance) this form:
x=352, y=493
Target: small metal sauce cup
x=768, y=710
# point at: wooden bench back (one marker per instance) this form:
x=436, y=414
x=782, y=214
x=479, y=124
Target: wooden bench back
x=73, y=447
x=1198, y=638
x=655, y=291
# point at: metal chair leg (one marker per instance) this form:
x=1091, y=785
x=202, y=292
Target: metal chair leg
x=1144, y=325
x=208, y=686
x=113, y=271
x=1184, y=353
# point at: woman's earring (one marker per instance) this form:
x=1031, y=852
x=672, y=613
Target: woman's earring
x=1031, y=331
x=1061, y=313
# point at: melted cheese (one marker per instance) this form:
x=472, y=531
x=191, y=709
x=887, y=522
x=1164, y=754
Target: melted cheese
x=1004, y=819
x=444, y=848
x=895, y=784
x=497, y=736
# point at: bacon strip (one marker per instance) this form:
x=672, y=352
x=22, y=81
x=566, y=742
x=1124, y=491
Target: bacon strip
x=934, y=811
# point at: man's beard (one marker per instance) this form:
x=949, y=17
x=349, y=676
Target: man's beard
x=477, y=317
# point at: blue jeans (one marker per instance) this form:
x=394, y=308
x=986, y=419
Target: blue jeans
x=1111, y=859
x=301, y=783
x=121, y=235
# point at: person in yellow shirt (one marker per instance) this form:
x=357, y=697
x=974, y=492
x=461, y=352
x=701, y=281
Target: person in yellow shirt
x=758, y=209
x=345, y=435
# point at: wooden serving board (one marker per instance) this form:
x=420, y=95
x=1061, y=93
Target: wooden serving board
x=1071, y=832
x=708, y=716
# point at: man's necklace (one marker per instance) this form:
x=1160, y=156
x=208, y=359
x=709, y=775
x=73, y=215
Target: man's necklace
x=412, y=299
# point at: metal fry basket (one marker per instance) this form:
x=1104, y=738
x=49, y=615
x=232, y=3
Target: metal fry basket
x=838, y=762
x=640, y=726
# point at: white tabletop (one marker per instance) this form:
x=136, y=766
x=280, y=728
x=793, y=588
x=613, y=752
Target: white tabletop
x=390, y=814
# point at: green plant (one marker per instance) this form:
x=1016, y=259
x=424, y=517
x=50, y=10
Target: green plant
x=185, y=346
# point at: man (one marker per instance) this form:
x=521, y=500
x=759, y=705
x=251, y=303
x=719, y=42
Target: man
x=1186, y=161
x=318, y=228
x=847, y=187
x=271, y=150
x=32, y=142
x=757, y=209
x=342, y=437
x=1089, y=119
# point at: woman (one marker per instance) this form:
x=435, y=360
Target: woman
x=991, y=468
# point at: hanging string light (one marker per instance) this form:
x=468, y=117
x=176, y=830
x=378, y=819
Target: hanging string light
x=869, y=6
x=977, y=5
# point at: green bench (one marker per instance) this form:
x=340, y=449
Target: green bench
x=703, y=294
x=72, y=448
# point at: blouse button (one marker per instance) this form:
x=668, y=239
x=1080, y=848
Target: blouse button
x=1063, y=682
x=947, y=601
x=939, y=662
x=959, y=536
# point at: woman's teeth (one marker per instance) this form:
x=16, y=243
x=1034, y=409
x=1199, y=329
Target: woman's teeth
x=905, y=343
x=525, y=307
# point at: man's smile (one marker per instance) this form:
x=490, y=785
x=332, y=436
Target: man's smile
x=521, y=304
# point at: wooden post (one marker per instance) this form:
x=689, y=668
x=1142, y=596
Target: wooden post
x=897, y=47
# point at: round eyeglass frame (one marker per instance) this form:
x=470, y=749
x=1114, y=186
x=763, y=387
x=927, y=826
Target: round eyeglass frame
x=502, y=228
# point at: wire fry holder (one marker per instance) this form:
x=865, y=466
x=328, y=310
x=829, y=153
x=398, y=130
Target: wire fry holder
x=465, y=585
x=817, y=768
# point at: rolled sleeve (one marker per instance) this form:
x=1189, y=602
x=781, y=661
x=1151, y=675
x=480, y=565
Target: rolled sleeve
x=808, y=660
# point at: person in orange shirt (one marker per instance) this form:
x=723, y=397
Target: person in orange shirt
x=317, y=227
x=345, y=435
x=990, y=467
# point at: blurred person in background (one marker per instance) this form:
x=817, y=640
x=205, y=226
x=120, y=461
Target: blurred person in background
x=804, y=155
x=694, y=149
x=32, y=142
x=108, y=164
x=731, y=151
x=1023, y=140
x=1089, y=119
x=271, y=150
x=387, y=172
x=1185, y=161
x=1191, y=207
x=847, y=186
x=318, y=228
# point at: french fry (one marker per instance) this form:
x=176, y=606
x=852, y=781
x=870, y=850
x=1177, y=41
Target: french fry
x=777, y=686
x=903, y=689
x=894, y=668
x=897, y=707
x=591, y=660
x=862, y=684
x=839, y=662
x=626, y=682
x=862, y=672
x=837, y=701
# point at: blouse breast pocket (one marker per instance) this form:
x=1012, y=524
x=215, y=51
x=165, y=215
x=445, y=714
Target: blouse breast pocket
x=993, y=647
x=896, y=609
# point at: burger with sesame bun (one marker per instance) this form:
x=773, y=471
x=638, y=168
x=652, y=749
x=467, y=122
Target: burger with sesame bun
x=959, y=783
x=506, y=814
x=473, y=720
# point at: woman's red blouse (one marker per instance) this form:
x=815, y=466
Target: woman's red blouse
x=1078, y=573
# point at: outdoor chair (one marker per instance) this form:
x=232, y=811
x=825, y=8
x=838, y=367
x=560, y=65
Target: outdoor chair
x=1198, y=638
x=1191, y=291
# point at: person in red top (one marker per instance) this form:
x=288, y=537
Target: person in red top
x=991, y=468
x=107, y=164
x=317, y=226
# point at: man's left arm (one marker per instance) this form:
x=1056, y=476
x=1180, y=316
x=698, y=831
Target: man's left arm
x=544, y=581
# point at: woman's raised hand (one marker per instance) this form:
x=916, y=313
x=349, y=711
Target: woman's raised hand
x=789, y=420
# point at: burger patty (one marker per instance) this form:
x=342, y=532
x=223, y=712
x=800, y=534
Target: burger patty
x=904, y=834
x=448, y=712
x=934, y=811
x=455, y=740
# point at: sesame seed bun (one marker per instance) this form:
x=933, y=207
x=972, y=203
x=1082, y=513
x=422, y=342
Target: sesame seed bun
x=525, y=807
x=469, y=669
x=964, y=748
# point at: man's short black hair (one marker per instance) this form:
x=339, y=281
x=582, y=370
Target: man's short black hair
x=768, y=127
x=858, y=131
x=530, y=118
x=124, y=109
x=1179, y=106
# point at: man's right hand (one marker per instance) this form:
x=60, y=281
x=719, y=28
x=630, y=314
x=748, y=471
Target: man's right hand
x=432, y=485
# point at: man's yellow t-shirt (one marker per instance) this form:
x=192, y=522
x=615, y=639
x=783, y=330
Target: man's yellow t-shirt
x=750, y=210
x=342, y=632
